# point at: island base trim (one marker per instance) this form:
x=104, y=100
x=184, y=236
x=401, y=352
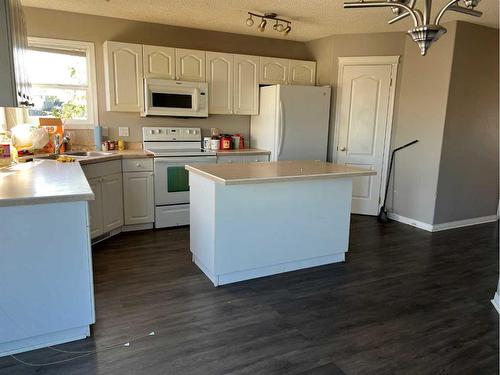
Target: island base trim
x=234, y=277
x=42, y=341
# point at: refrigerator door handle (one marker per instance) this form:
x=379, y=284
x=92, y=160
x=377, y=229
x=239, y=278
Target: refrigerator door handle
x=281, y=129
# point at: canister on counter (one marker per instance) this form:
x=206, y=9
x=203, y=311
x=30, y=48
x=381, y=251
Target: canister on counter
x=121, y=145
x=226, y=142
x=111, y=145
x=206, y=143
x=215, y=144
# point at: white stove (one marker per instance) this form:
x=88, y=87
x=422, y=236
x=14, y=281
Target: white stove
x=173, y=148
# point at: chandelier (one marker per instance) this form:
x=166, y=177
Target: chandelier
x=280, y=25
x=423, y=32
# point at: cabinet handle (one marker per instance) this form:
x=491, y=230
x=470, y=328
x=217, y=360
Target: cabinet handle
x=138, y=164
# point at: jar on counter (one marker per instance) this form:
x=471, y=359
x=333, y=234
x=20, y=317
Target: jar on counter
x=121, y=145
x=214, y=143
x=104, y=146
x=226, y=142
x=111, y=145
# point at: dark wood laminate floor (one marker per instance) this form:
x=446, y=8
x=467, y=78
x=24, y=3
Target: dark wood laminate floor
x=405, y=302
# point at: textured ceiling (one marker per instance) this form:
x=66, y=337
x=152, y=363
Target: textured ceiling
x=312, y=19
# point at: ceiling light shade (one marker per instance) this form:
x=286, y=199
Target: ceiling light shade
x=287, y=29
x=249, y=21
x=262, y=25
x=424, y=31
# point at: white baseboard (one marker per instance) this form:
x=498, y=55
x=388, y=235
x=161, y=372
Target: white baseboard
x=442, y=226
x=496, y=302
x=464, y=223
x=410, y=221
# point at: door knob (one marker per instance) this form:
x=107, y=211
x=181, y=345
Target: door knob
x=343, y=149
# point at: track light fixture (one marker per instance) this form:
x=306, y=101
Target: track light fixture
x=278, y=26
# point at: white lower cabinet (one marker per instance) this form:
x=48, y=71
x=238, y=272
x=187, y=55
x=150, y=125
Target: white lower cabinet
x=106, y=210
x=95, y=208
x=112, y=203
x=138, y=190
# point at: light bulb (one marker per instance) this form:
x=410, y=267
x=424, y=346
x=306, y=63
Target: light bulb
x=262, y=25
x=249, y=21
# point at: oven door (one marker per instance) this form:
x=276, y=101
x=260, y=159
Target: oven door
x=172, y=179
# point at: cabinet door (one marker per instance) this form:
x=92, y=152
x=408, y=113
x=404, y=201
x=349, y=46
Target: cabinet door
x=123, y=76
x=138, y=198
x=190, y=65
x=246, y=85
x=112, y=201
x=158, y=62
x=95, y=208
x=274, y=70
x=220, y=82
x=302, y=72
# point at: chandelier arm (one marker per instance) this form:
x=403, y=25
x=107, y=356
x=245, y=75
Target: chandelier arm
x=405, y=14
x=398, y=18
x=443, y=10
x=470, y=12
x=378, y=4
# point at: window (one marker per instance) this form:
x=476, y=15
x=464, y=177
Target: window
x=63, y=81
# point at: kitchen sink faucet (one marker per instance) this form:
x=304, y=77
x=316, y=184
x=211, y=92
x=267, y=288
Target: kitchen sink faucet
x=59, y=142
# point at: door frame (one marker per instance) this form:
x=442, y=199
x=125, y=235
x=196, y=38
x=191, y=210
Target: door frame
x=368, y=60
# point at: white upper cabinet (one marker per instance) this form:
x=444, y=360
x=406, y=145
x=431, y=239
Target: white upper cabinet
x=302, y=72
x=124, y=76
x=220, y=78
x=274, y=70
x=159, y=62
x=190, y=65
x=246, y=85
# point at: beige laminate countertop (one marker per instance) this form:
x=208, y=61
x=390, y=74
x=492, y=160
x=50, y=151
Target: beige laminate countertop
x=43, y=181
x=243, y=151
x=277, y=171
x=115, y=155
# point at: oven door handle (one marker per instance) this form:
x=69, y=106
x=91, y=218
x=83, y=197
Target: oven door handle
x=188, y=160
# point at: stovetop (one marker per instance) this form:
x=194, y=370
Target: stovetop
x=174, y=142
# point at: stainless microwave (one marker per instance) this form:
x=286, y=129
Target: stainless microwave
x=164, y=97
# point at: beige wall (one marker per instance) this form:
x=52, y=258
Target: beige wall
x=468, y=172
x=326, y=52
x=64, y=25
x=421, y=115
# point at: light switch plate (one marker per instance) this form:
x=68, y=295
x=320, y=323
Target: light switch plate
x=123, y=131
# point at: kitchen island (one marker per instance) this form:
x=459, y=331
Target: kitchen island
x=46, y=287
x=259, y=219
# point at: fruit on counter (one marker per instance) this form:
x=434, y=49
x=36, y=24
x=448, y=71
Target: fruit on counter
x=65, y=159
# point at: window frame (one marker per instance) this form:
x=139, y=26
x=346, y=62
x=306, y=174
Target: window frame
x=92, y=103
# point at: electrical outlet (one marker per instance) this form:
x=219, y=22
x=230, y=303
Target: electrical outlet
x=123, y=131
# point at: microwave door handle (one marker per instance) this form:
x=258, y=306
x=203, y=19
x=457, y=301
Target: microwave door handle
x=196, y=95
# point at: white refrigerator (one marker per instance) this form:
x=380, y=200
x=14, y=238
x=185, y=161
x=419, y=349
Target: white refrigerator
x=292, y=122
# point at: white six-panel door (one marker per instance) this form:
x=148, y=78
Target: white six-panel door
x=365, y=99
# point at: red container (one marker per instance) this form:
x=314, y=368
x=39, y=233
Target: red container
x=226, y=142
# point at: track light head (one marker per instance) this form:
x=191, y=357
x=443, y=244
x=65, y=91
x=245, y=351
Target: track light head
x=287, y=29
x=262, y=25
x=249, y=21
